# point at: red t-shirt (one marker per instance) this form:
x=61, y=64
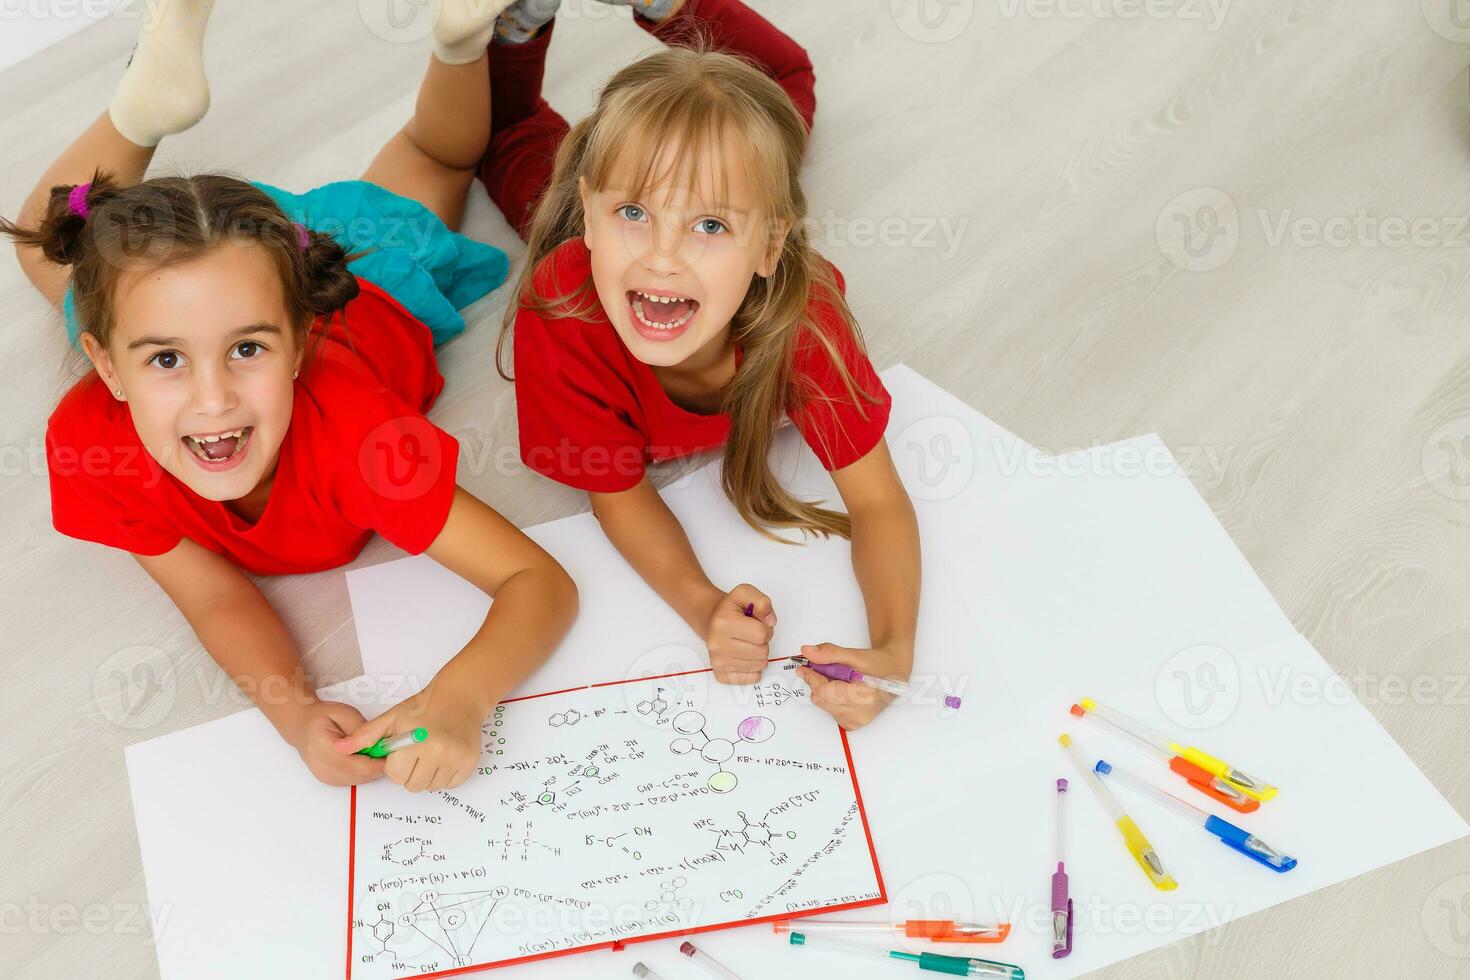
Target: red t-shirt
x=593, y=416
x=358, y=457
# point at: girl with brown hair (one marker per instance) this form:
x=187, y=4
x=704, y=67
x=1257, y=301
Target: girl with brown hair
x=255, y=406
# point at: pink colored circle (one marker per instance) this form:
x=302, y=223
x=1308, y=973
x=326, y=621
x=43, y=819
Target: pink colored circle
x=756, y=728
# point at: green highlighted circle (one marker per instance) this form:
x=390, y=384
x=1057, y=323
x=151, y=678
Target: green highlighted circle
x=722, y=781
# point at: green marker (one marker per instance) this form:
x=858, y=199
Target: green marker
x=392, y=743
x=959, y=966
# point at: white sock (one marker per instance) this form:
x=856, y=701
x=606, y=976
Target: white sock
x=523, y=19
x=462, y=28
x=164, y=90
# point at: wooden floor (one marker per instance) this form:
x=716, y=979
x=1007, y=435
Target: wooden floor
x=1004, y=186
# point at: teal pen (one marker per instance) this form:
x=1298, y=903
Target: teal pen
x=392, y=743
x=958, y=966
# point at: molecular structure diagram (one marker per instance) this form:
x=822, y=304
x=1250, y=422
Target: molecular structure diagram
x=756, y=728
x=525, y=841
x=748, y=835
x=669, y=899
x=564, y=718
x=451, y=922
x=773, y=695
x=612, y=841
x=405, y=852
x=655, y=706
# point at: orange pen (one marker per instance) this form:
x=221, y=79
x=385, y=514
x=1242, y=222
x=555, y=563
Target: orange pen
x=1206, y=782
x=934, y=930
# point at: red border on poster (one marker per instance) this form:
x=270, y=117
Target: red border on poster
x=620, y=943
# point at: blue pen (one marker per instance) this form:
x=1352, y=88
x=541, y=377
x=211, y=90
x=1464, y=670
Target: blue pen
x=1234, y=837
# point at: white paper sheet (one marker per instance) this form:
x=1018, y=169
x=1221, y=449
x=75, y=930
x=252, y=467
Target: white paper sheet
x=609, y=814
x=243, y=850
x=1040, y=586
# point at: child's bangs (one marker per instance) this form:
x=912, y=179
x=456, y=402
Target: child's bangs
x=691, y=143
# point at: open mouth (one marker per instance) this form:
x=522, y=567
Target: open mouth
x=661, y=316
x=217, y=451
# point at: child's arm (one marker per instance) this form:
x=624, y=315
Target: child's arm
x=246, y=637
x=649, y=536
x=535, y=602
x=885, y=559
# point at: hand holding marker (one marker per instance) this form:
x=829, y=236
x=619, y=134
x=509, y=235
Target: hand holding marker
x=850, y=675
x=392, y=743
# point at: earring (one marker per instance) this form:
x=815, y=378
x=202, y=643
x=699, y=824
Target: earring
x=294, y=374
x=117, y=392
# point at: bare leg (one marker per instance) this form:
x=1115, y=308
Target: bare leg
x=433, y=159
x=100, y=147
x=163, y=90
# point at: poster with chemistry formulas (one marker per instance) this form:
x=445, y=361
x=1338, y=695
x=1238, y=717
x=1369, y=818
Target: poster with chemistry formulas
x=612, y=814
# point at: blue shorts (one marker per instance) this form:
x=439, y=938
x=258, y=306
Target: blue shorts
x=411, y=255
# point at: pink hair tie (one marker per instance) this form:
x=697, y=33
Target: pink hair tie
x=303, y=239
x=76, y=201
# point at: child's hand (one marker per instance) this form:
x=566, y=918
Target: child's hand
x=442, y=761
x=317, y=730
x=739, y=645
x=852, y=705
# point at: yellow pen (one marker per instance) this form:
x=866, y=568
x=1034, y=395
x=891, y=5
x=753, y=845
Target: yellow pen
x=1254, y=788
x=1143, y=852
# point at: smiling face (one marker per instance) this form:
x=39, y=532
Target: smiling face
x=673, y=260
x=204, y=353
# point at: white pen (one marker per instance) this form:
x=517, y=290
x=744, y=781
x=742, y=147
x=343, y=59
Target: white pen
x=711, y=965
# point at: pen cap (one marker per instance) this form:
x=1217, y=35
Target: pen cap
x=1205, y=783
x=1238, y=839
x=949, y=931
x=1142, y=852
x=1066, y=949
x=963, y=966
x=1253, y=788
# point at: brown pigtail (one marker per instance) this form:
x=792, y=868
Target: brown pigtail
x=62, y=233
x=327, y=284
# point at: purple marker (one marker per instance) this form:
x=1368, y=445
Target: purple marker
x=850, y=675
x=1061, y=905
